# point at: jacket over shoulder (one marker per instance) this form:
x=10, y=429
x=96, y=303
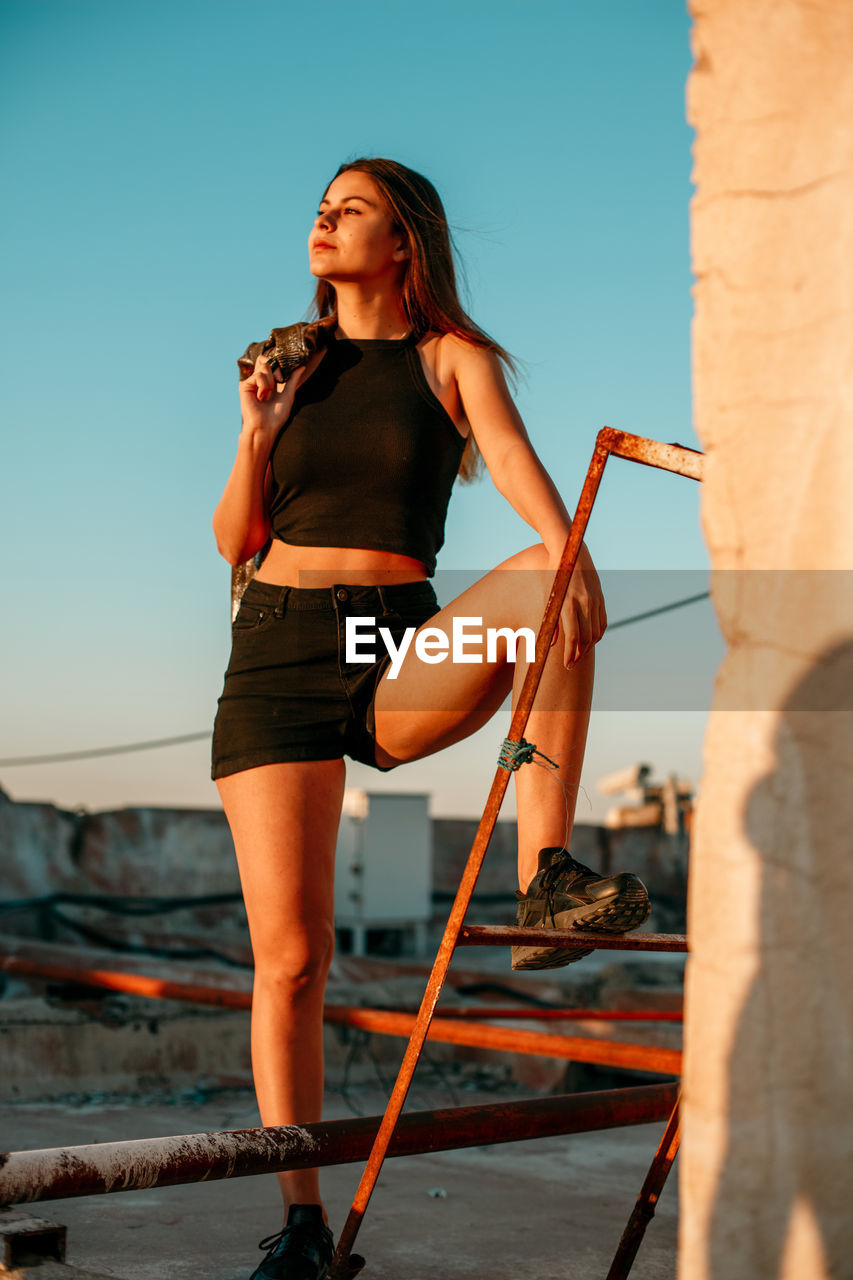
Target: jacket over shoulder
x=289, y=348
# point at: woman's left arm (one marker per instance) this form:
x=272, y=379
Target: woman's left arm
x=521, y=478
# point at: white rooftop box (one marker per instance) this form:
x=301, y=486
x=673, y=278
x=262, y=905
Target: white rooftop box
x=383, y=869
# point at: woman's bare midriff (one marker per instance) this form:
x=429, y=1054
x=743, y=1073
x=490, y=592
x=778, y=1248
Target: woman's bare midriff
x=286, y=565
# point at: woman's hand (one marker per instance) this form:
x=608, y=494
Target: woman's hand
x=265, y=403
x=241, y=520
x=583, y=618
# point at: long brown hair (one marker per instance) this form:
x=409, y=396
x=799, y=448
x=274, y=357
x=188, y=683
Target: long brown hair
x=430, y=297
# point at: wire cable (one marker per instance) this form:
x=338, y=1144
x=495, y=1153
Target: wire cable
x=651, y=613
x=90, y=753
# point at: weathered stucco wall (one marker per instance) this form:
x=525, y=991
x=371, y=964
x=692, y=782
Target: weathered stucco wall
x=768, y=1112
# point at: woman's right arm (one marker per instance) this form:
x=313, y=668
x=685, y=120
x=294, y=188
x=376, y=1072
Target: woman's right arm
x=241, y=520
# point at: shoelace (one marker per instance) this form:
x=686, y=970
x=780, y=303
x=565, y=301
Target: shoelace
x=303, y=1236
x=562, y=865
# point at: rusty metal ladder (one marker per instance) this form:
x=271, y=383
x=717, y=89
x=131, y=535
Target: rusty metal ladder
x=652, y=453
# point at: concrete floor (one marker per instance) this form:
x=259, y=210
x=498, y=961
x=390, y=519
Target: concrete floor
x=550, y=1209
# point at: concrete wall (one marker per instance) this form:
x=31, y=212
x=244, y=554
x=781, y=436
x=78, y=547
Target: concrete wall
x=123, y=854
x=768, y=1116
x=174, y=853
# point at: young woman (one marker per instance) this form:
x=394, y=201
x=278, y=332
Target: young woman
x=346, y=470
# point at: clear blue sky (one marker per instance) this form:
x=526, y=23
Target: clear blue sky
x=162, y=164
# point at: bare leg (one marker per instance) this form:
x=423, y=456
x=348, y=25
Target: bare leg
x=284, y=820
x=546, y=811
x=429, y=707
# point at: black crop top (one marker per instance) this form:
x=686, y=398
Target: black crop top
x=368, y=455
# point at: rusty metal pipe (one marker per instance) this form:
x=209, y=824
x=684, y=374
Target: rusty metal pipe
x=644, y=1209
x=671, y=457
x=611, y=1053
x=59, y=1173
x=340, y=1269
x=382, y=1021
x=486, y=935
x=132, y=983
x=652, y=453
x=33, y=965
x=506, y=1012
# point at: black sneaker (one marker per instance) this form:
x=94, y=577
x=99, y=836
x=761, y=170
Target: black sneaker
x=302, y=1250
x=564, y=894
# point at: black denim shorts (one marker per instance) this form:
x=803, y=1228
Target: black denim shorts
x=289, y=692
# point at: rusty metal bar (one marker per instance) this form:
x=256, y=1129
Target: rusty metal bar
x=382, y=1021
x=16, y=949
x=34, y=965
x=644, y=1209
x=486, y=935
x=339, y=1269
x=557, y=1015
x=651, y=453
x=59, y=1173
x=445, y=1030
x=611, y=1053
x=132, y=983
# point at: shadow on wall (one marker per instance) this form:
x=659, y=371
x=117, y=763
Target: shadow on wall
x=786, y=1187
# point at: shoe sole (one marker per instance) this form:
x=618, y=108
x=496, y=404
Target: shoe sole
x=627, y=909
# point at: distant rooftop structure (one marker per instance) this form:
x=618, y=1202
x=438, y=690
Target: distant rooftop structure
x=383, y=866
x=668, y=804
